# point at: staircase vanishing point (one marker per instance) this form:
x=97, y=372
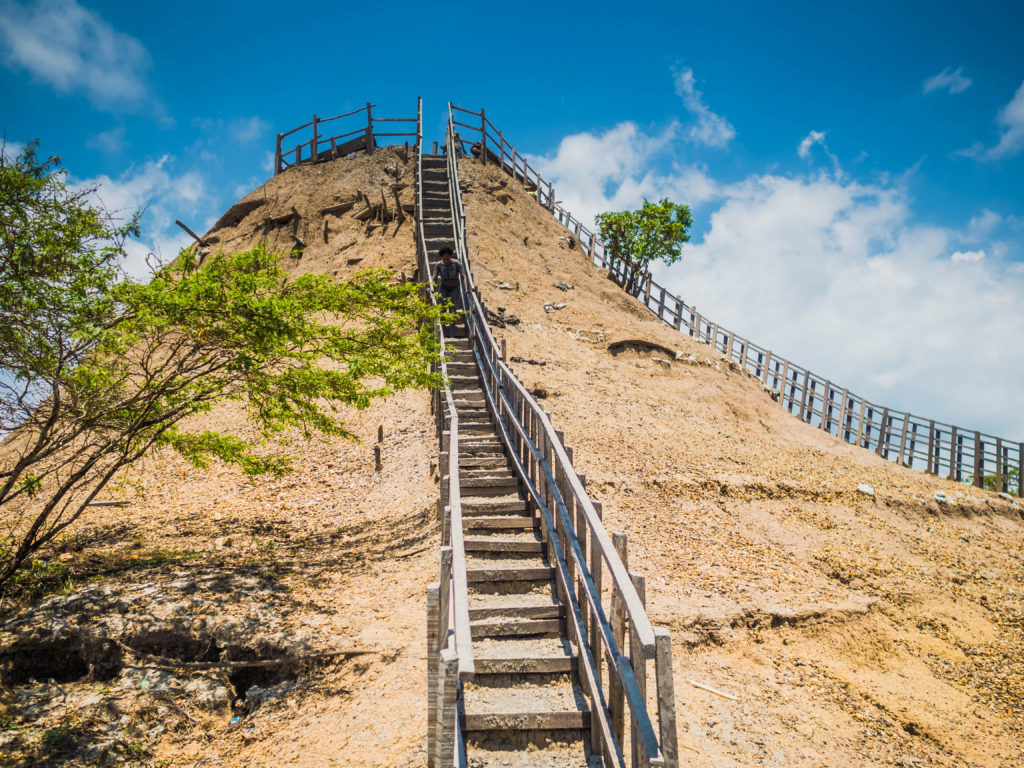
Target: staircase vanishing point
x=525, y=696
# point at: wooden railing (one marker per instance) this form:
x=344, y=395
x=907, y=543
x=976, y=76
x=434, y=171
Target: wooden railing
x=449, y=642
x=615, y=643
x=943, y=449
x=366, y=136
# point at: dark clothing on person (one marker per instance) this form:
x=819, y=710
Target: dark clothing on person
x=447, y=278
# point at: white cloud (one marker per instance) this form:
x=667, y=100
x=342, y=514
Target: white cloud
x=247, y=129
x=968, y=257
x=948, y=79
x=110, y=141
x=11, y=149
x=163, y=196
x=612, y=171
x=73, y=49
x=812, y=138
x=831, y=273
x=710, y=128
x=1011, y=123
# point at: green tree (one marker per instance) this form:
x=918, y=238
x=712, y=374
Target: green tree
x=96, y=369
x=639, y=238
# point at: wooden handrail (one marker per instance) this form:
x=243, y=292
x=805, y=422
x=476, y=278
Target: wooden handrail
x=552, y=491
x=943, y=448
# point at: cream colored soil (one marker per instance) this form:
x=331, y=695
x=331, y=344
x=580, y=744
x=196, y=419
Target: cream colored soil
x=334, y=555
x=851, y=630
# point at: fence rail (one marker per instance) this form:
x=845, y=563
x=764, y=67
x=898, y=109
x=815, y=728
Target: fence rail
x=917, y=442
x=615, y=643
x=318, y=148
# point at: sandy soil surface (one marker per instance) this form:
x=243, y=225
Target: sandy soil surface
x=205, y=567
x=852, y=629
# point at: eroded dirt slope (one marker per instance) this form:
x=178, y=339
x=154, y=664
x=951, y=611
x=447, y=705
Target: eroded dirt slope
x=850, y=629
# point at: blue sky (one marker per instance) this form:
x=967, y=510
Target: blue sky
x=854, y=169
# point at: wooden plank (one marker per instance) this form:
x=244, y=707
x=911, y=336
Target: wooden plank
x=860, y=422
x=903, y=437
x=666, y=697
x=883, y=435
x=277, y=155
x=1000, y=467
x=932, y=468
x=955, y=446
x=369, y=130
x=763, y=373
x=639, y=662
x=594, y=638
x=826, y=408
x=483, y=137
x=315, y=144
x=1020, y=470
x=979, y=462
x=616, y=696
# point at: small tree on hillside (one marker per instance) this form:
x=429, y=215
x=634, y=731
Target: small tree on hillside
x=96, y=369
x=639, y=238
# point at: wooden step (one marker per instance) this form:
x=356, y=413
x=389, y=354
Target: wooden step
x=499, y=522
x=524, y=708
x=538, y=604
x=507, y=570
x=498, y=545
x=494, y=506
x=509, y=626
x=523, y=656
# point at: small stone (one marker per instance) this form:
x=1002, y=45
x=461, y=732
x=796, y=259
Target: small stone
x=505, y=286
x=866, y=489
x=563, y=286
x=941, y=497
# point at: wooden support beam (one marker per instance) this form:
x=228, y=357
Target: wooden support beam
x=616, y=695
x=195, y=237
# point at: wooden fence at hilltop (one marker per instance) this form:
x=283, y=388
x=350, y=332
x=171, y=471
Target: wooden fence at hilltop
x=366, y=137
x=917, y=442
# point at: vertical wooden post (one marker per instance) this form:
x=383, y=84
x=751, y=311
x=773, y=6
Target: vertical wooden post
x=696, y=324
x=647, y=291
x=666, y=697
x=551, y=195
x=1000, y=469
x=447, y=709
x=501, y=151
x=883, y=435
x=932, y=467
x=277, y=155
x=842, y=414
x=370, y=143
x=979, y=461
x=803, y=396
x=954, y=455
x=483, y=137
x=903, y=438
x=661, y=305
x=1020, y=470
x=728, y=351
x=860, y=422
x=595, y=637
x=826, y=408
x=315, y=146
x=763, y=372
x=743, y=353
x=639, y=663
x=433, y=658
x=679, y=314
x=616, y=695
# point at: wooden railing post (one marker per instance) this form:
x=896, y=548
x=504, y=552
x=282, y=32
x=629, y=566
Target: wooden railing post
x=447, y=707
x=639, y=662
x=596, y=565
x=433, y=657
x=616, y=695
x=483, y=137
x=666, y=697
x=1020, y=470
x=277, y=155
x=979, y=462
x=370, y=145
x=315, y=154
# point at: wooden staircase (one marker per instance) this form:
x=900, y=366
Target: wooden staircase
x=525, y=705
